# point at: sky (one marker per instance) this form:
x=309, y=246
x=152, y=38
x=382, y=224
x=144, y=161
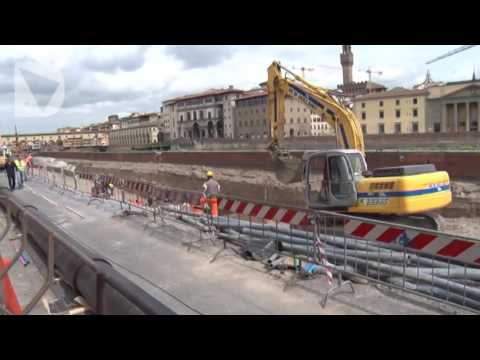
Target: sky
x=102, y=80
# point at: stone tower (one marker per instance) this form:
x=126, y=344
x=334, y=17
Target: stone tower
x=346, y=59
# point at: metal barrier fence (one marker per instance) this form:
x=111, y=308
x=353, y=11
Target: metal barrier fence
x=104, y=289
x=441, y=267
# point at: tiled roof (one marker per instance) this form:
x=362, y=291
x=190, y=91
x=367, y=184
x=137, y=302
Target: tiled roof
x=206, y=93
x=391, y=93
x=252, y=94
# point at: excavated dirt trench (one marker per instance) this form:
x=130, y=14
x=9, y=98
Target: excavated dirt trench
x=249, y=184
x=463, y=216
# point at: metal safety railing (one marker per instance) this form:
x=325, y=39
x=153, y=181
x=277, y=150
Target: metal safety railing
x=79, y=269
x=20, y=215
x=437, y=266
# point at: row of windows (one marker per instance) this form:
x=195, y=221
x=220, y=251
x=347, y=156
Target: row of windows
x=298, y=110
x=252, y=102
x=205, y=100
x=397, y=128
x=254, y=135
x=397, y=102
x=197, y=115
x=321, y=127
x=257, y=123
x=398, y=114
x=251, y=111
x=299, y=133
x=299, y=120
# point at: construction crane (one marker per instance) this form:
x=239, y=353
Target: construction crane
x=450, y=53
x=303, y=68
x=369, y=71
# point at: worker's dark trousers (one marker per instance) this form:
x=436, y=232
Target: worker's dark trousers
x=11, y=181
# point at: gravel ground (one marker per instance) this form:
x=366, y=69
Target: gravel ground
x=469, y=227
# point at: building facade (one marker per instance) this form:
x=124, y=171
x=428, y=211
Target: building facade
x=320, y=127
x=69, y=139
x=454, y=107
x=140, y=136
x=136, y=119
x=251, y=118
x=167, y=117
x=204, y=115
x=137, y=130
x=397, y=111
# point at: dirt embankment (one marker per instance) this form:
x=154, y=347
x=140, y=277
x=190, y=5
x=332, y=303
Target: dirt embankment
x=462, y=217
x=251, y=184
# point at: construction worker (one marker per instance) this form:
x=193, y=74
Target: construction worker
x=211, y=190
x=23, y=169
x=109, y=188
x=10, y=170
x=29, y=163
x=19, y=172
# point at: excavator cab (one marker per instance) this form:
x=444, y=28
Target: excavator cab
x=330, y=178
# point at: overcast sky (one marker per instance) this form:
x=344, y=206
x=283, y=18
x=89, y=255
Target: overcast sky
x=104, y=80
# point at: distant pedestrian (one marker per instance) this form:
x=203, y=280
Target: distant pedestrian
x=10, y=170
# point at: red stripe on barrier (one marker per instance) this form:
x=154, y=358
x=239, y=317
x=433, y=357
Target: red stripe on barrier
x=363, y=229
x=228, y=205
x=289, y=215
x=271, y=213
x=305, y=221
x=256, y=209
x=455, y=248
x=420, y=241
x=390, y=235
x=241, y=207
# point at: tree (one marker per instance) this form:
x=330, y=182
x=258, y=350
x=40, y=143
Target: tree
x=59, y=142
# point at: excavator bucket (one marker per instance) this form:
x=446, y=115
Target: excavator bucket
x=287, y=170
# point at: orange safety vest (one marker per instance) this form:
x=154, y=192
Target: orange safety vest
x=212, y=204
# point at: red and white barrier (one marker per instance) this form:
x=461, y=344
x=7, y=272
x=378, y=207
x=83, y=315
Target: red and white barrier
x=264, y=212
x=427, y=242
x=432, y=243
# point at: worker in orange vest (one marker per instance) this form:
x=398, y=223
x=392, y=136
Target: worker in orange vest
x=211, y=190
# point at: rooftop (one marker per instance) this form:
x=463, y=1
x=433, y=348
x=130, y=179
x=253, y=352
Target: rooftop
x=205, y=93
x=253, y=94
x=395, y=92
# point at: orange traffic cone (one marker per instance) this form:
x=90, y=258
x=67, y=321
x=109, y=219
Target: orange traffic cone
x=9, y=296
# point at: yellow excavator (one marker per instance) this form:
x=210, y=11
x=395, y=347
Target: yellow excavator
x=339, y=180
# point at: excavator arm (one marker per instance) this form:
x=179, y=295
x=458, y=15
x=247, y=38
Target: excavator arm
x=341, y=118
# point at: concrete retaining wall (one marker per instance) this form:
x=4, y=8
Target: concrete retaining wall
x=460, y=165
